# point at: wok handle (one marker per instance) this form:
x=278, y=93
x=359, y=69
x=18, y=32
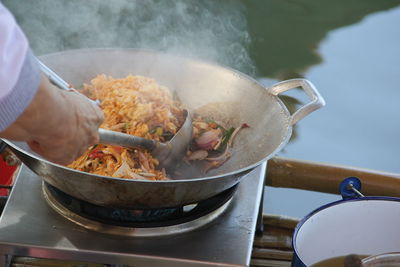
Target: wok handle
x=53, y=77
x=316, y=99
x=326, y=178
x=59, y=82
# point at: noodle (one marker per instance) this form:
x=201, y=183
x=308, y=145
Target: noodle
x=134, y=105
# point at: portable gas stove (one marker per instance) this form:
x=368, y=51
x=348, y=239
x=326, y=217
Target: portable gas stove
x=41, y=222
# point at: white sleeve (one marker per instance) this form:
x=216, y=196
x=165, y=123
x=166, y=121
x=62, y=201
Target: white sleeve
x=19, y=71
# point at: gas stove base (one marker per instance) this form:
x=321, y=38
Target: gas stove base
x=30, y=227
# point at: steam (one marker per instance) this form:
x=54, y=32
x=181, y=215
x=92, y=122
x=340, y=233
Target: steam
x=208, y=30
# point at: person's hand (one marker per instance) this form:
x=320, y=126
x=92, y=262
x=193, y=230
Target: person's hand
x=58, y=125
x=71, y=132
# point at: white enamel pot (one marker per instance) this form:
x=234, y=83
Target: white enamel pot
x=362, y=226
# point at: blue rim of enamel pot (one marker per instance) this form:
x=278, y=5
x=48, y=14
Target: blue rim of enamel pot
x=296, y=260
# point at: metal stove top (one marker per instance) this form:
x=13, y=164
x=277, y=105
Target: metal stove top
x=30, y=227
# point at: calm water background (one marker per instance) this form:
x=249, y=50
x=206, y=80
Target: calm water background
x=350, y=49
x=359, y=76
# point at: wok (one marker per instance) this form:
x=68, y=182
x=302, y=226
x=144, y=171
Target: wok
x=216, y=92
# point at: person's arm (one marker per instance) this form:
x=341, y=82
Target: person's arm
x=58, y=125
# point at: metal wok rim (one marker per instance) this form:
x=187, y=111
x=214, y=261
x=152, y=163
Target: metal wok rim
x=192, y=60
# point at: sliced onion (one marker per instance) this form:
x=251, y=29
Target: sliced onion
x=147, y=174
x=209, y=139
x=121, y=171
x=143, y=161
x=198, y=155
x=219, y=160
x=235, y=132
x=223, y=157
x=135, y=175
x=125, y=170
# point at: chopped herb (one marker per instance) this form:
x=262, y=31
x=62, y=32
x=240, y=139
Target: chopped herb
x=126, y=126
x=222, y=128
x=93, y=147
x=167, y=135
x=225, y=138
x=159, y=131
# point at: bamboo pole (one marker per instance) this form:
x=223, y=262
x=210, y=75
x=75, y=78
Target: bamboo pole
x=272, y=241
x=274, y=254
x=322, y=177
x=280, y=221
x=36, y=262
x=269, y=263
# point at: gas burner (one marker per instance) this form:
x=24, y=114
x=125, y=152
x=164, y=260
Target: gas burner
x=150, y=222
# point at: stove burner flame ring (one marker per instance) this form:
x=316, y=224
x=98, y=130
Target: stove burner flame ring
x=151, y=222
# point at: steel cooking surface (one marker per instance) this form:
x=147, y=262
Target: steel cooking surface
x=30, y=227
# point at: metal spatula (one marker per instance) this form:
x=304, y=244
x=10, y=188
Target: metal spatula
x=166, y=153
